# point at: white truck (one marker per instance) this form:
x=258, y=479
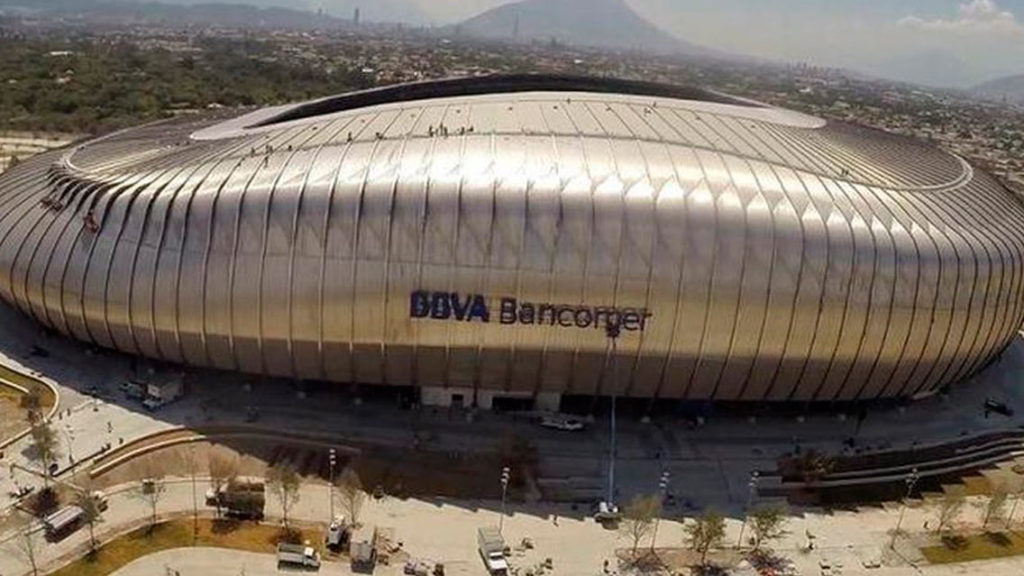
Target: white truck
x=298, y=555
x=492, y=550
x=362, y=548
x=160, y=394
x=63, y=522
x=337, y=532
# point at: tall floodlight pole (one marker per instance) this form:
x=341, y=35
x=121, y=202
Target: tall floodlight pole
x=666, y=476
x=752, y=490
x=332, y=458
x=505, y=475
x=195, y=501
x=613, y=334
x=910, y=480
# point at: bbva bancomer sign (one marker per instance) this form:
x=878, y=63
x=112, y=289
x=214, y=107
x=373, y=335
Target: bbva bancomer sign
x=478, y=308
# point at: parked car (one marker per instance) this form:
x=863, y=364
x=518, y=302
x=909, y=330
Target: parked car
x=564, y=423
x=998, y=407
x=606, y=512
x=133, y=390
x=101, y=500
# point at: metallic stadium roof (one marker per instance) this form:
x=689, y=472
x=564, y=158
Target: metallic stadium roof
x=772, y=255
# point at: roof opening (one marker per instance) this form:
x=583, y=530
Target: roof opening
x=494, y=84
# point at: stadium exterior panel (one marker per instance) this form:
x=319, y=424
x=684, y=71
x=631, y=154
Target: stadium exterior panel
x=520, y=236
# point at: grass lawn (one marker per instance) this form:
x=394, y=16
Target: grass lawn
x=976, y=547
x=30, y=384
x=13, y=418
x=247, y=536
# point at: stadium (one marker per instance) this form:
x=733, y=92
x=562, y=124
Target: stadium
x=526, y=238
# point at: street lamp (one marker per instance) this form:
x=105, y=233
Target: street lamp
x=332, y=458
x=69, y=434
x=613, y=331
x=752, y=490
x=910, y=481
x=195, y=501
x=666, y=476
x=505, y=475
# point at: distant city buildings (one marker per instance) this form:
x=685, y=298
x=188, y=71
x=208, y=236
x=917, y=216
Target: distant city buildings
x=988, y=133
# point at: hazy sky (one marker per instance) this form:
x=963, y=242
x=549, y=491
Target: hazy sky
x=958, y=42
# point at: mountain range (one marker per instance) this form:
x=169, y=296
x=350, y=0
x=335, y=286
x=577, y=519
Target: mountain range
x=284, y=13
x=599, y=23
x=1010, y=88
x=604, y=23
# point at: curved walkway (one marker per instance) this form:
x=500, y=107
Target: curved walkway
x=10, y=377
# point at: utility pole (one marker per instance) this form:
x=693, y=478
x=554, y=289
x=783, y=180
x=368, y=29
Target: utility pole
x=910, y=480
x=505, y=475
x=752, y=487
x=666, y=476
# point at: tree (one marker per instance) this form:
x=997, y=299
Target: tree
x=283, y=482
x=767, y=523
x=223, y=470
x=706, y=532
x=638, y=518
x=190, y=460
x=995, y=508
x=26, y=546
x=351, y=495
x=150, y=489
x=33, y=403
x=44, y=447
x=1017, y=488
x=950, y=508
x=92, y=514
x=814, y=465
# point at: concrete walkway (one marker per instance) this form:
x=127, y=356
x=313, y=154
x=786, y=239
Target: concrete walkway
x=215, y=562
x=445, y=531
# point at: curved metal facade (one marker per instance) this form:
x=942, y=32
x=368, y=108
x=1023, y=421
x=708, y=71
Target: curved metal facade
x=746, y=253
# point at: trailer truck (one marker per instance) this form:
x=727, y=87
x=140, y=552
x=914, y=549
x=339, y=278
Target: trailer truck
x=492, y=550
x=298, y=555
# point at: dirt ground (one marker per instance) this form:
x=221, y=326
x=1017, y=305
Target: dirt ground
x=673, y=560
x=13, y=418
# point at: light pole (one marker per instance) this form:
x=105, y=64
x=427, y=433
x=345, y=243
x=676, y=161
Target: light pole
x=69, y=434
x=613, y=332
x=910, y=480
x=332, y=459
x=666, y=476
x=505, y=474
x=195, y=502
x=752, y=490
